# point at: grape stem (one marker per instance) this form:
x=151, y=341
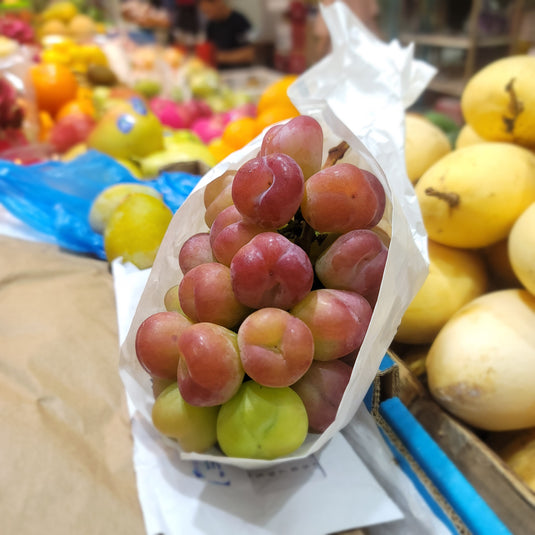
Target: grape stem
x=336, y=153
x=297, y=229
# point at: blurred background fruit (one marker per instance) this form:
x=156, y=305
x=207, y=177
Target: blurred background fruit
x=275, y=95
x=63, y=11
x=54, y=85
x=80, y=106
x=239, y=132
x=136, y=228
x=110, y=198
x=128, y=130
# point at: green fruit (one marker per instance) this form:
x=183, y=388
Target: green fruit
x=148, y=88
x=129, y=130
x=194, y=428
x=176, y=137
x=260, y=422
x=185, y=151
x=177, y=94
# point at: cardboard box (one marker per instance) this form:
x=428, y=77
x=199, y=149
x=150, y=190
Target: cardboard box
x=506, y=503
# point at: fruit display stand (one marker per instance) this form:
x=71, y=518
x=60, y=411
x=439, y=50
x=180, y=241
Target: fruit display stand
x=66, y=387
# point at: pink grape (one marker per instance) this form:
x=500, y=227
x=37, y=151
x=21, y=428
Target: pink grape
x=205, y=294
x=276, y=348
x=271, y=271
x=301, y=138
x=194, y=251
x=268, y=190
x=338, y=320
x=356, y=262
x=341, y=198
x=156, y=343
x=321, y=390
x=229, y=233
x=209, y=370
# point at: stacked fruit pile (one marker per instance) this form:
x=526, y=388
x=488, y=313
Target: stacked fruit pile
x=253, y=347
x=474, y=317
x=144, y=135
x=65, y=18
x=76, y=92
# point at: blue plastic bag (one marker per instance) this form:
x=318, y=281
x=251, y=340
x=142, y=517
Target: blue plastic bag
x=55, y=197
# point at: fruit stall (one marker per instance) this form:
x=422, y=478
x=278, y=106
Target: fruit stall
x=297, y=297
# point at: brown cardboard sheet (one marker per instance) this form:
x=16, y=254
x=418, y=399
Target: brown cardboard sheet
x=65, y=444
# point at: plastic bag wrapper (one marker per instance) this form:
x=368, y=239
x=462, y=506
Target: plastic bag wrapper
x=359, y=98
x=14, y=67
x=55, y=197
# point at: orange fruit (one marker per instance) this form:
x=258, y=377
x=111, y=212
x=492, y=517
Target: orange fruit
x=275, y=95
x=75, y=106
x=240, y=131
x=219, y=149
x=84, y=92
x=54, y=85
x=45, y=125
x=276, y=114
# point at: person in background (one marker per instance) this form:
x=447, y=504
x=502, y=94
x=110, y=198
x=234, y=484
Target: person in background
x=366, y=10
x=229, y=32
x=150, y=17
x=187, y=22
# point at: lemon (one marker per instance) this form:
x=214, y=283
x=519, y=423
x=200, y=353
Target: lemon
x=136, y=229
x=63, y=11
x=53, y=27
x=110, y=198
x=81, y=27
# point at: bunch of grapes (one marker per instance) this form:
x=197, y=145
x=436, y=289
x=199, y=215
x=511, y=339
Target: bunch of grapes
x=257, y=341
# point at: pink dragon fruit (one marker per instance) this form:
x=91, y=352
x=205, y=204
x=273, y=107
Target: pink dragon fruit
x=16, y=29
